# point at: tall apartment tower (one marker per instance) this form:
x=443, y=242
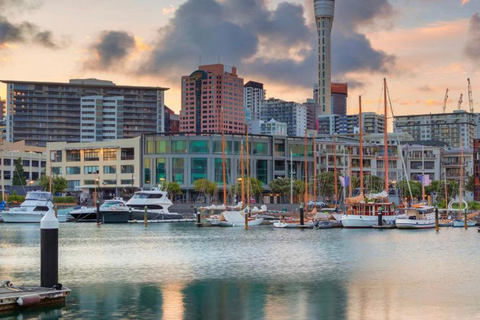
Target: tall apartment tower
x=253, y=96
x=81, y=110
x=208, y=91
x=324, y=12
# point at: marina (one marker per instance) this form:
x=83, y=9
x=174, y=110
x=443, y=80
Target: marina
x=171, y=271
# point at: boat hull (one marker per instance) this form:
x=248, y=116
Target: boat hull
x=124, y=217
x=461, y=223
x=363, y=221
x=251, y=223
x=414, y=224
x=25, y=217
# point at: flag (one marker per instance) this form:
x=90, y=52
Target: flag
x=424, y=179
x=345, y=181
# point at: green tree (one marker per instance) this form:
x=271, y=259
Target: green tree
x=415, y=186
x=439, y=188
x=256, y=187
x=299, y=190
x=59, y=184
x=205, y=186
x=373, y=184
x=172, y=188
x=326, y=184
x=470, y=186
x=19, y=178
x=281, y=186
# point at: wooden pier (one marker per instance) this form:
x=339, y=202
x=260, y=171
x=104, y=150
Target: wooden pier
x=13, y=297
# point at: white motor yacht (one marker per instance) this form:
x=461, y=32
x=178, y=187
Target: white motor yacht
x=418, y=217
x=86, y=214
x=32, y=210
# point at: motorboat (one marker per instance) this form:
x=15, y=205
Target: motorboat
x=32, y=210
x=155, y=202
x=365, y=214
x=89, y=214
x=419, y=216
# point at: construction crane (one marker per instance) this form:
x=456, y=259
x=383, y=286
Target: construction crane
x=445, y=102
x=470, y=96
x=460, y=101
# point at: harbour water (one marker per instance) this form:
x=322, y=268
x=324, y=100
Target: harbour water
x=178, y=271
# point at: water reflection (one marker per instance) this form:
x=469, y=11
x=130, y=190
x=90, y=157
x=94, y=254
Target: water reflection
x=178, y=271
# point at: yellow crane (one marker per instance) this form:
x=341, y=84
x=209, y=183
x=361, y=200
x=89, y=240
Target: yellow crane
x=445, y=102
x=470, y=96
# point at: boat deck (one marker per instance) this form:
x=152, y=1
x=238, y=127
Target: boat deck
x=12, y=297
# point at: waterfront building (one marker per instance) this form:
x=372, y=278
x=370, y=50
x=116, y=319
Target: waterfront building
x=111, y=167
x=253, y=95
x=189, y=157
x=33, y=161
x=451, y=162
x=205, y=94
x=446, y=127
x=81, y=110
x=417, y=164
x=324, y=13
x=2, y=108
x=172, y=121
x=476, y=168
x=350, y=124
x=313, y=110
x=292, y=113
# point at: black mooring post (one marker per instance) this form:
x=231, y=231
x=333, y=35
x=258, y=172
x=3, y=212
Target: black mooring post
x=49, y=250
x=98, y=214
x=380, y=218
x=301, y=216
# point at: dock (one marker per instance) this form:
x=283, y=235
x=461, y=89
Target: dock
x=13, y=297
x=163, y=221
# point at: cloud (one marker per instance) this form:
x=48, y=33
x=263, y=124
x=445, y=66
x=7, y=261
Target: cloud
x=112, y=48
x=168, y=10
x=465, y=2
x=276, y=45
x=472, y=47
x=425, y=88
x=24, y=32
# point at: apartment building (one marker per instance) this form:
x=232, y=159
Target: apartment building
x=81, y=110
x=254, y=94
x=292, y=113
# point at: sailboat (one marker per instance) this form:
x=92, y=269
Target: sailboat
x=364, y=213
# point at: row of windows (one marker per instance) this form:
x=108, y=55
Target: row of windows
x=94, y=154
x=124, y=169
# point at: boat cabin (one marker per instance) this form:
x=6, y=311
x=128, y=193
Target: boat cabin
x=372, y=209
x=420, y=213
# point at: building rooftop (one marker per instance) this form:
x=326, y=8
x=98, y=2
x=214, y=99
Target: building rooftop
x=87, y=83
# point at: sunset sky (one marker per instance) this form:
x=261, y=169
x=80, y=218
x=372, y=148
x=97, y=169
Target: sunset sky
x=421, y=46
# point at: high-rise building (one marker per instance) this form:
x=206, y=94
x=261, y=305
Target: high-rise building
x=2, y=108
x=205, y=94
x=450, y=128
x=339, y=98
x=292, y=113
x=172, y=121
x=81, y=110
x=313, y=110
x=324, y=12
x=253, y=96
x=350, y=124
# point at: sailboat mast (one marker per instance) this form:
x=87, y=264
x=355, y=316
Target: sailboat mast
x=223, y=162
x=314, y=171
x=305, y=197
x=248, y=177
x=385, y=137
x=461, y=180
x=423, y=173
x=350, y=172
x=446, y=195
x=335, y=168
x=242, y=176
x=360, y=119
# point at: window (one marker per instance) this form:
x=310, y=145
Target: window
x=109, y=182
x=109, y=169
x=56, y=156
x=150, y=147
x=90, y=170
x=128, y=154
x=73, y=170
x=35, y=163
x=89, y=182
x=91, y=155
x=127, y=169
x=262, y=172
x=260, y=148
x=72, y=184
x=217, y=147
x=43, y=164
x=109, y=154
x=162, y=147
x=179, y=146
x=219, y=170
x=73, y=155
x=127, y=181
x=26, y=163
x=199, y=169
x=57, y=170
x=147, y=165
x=178, y=165
x=160, y=169
x=7, y=162
x=199, y=146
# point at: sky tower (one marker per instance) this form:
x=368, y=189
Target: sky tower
x=324, y=12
